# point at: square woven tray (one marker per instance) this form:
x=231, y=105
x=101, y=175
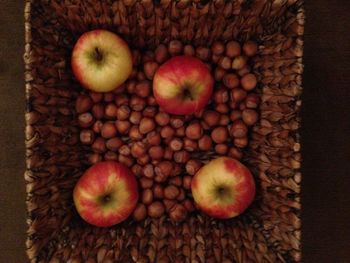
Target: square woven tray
x=269, y=231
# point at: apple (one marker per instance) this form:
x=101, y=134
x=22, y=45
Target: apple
x=223, y=188
x=106, y=194
x=101, y=60
x=182, y=85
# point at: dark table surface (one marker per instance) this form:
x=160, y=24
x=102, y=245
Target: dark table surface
x=325, y=133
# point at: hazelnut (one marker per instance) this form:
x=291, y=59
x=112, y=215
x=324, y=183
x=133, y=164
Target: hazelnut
x=181, y=156
x=176, y=144
x=135, y=117
x=219, y=73
x=138, y=149
x=225, y=63
x=148, y=170
x=121, y=99
x=194, y=131
x=86, y=120
x=243, y=71
x=218, y=48
x=137, y=103
x=149, y=111
x=123, y=112
x=143, y=160
x=187, y=182
x=167, y=132
x=150, y=69
x=221, y=96
x=222, y=108
x=171, y=192
x=158, y=191
x=114, y=144
x=122, y=126
x=124, y=150
x=241, y=142
x=83, y=104
x=108, y=97
x=250, y=117
x=203, y=53
x=156, y=209
x=180, y=132
x=177, y=181
x=140, y=212
x=145, y=182
x=111, y=156
x=87, y=136
x=146, y=125
x=99, y=145
x=250, y=48
x=192, y=166
x=235, y=115
x=221, y=148
x=215, y=58
x=182, y=195
x=95, y=96
x=147, y=196
x=224, y=120
x=110, y=111
x=162, y=118
x=153, y=138
x=108, y=130
x=156, y=152
x=233, y=49
x=238, y=129
x=97, y=126
x=175, y=47
x=177, y=170
x=168, y=154
x=151, y=101
x=219, y=134
x=248, y=81
x=231, y=80
x=189, y=50
x=188, y=204
x=169, y=204
x=252, y=101
x=211, y=118
x=176, y=122
x=161, y=54
x=125, y=160
x=134, y=133
x=205, y=143
x=238, y=95
x=95, y=158
x=130, y=86
x=163, y=168
x=178, y=213
x=98, y=111
x=190, y=145
x=239, y=63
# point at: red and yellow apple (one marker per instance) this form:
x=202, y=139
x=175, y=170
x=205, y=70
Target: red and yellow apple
x=182, y=85
x=223, y=188
x=101, y=60
x=106, y=194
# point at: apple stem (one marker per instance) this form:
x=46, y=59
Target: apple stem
x=98, y=54
x=187, y=94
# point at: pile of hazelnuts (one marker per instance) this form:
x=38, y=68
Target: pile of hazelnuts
x=164, y=151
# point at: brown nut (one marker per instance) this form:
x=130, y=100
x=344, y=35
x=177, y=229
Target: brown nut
x=190, y=145
x=83, y=104
x=233, y=49
x=125, y=160
x=137, y=103
x=176, y=144
x=188, y=204
x=151, y=101
x=122, y=112
x=153, y=138
x=108, y=130
x=205, y=143
x=145, y=182
x=110, y=111
x=175, y=47
x=124, y=150
x=211, y=118
x=97, y=126
x=182, y=195
x=163, y=168
x=225, y=63
x=243, y=71
x=235, y=115
x=180, y=132
x=238, y=95
x=192, y=166
x=148, y=170
x=176, y=122
x=96, y=96
x=134, y=133
x=219, y=73
x=158, y=191
x=156, y=209
x=250, y=117
x=189, y=50
x=130, y=86
x=238, y=129
x=194, y=131
x=87, y=137
x=150, y=69
x=112, y=156
x=143, y=160
x=147, y=196
x=156, y=152
x=95, y=158
x=167, y=132
x=250, y=48
x=161, y=54
x=114, y=144
x=135, y=117
x=171, y=192
x=138, y=149
x=248, y=81
x=218, y=48
x=149, y=111
x=221, y=148
x=168, y=154
x=252, y=101
x=169, y=204
x=203, y=53
x=108, y=96
x=187, y=182
x=99, y=145
x=178, y=213
x=121, y=99
x=239, y=63
x=98, y=111
x=140, y=212
x=162, y=118
x=215, y=58
x=86, y=120
x=146, y=125
x=231, y=80
x=222, y=108
x=122, y=126
x=241, y=142
x=136, y=169
x=177, y=181
x=181, y=156
x=219, y=134
x=177, y=170
x=224, y=120
x=221, y=96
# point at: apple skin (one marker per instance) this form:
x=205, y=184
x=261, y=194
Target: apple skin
x=106, y=178
x=233, y=177
x=179, y=74
x=105, y=69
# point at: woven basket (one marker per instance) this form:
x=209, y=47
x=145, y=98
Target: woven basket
x=268, y=232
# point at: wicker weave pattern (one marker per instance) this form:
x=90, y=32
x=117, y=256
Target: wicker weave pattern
x=268, y=232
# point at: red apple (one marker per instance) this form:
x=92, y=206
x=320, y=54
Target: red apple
x=223, y=188
x=106, y=194
x=101, y=60
x=182, y=85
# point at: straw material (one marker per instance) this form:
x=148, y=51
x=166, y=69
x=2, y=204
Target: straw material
x=268, y=232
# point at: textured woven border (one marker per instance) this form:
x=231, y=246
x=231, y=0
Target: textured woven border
x=268, y=232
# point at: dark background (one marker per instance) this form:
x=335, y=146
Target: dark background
x=325, y=133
